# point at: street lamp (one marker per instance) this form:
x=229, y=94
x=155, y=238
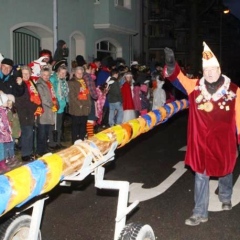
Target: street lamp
x=226, y=11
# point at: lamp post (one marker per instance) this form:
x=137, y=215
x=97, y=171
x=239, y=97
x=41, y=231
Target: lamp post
x=226, y=11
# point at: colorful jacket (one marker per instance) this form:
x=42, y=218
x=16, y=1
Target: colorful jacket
x=61, y=90
x=5, y=129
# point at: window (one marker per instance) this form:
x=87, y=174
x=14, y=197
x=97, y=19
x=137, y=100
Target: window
x=123, y=3
x=105, y=48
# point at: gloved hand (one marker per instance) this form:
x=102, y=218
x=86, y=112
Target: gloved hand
x=39, y=111
x=54, y=108
x=169, y=60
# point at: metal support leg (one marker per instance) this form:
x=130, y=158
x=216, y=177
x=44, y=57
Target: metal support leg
x=36, y=219
x=122, y=209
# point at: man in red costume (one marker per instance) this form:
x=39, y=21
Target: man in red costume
x=213, y=129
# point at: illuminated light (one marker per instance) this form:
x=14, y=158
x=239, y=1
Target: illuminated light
x=226, y=11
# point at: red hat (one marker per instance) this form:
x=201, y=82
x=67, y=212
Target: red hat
x=47, y=55
x=93, y=65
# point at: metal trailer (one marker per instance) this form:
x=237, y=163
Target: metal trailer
x=26, y=227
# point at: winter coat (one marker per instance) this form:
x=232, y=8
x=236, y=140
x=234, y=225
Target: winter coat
x=61, y=90
x=114, y=93
x=136, y=98
x=77, y=107
x=14, y=124
x=159, y=95
x=60, y=53
x=5, y=129
x=25, y=108
x=9, y=85
x=48, y=116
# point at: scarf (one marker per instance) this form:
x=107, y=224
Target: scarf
x=53, y=96
x=63, y=89
x=83, y=93
x=34, y=95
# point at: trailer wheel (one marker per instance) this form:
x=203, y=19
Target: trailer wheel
x=16, y=228
x=137, y=231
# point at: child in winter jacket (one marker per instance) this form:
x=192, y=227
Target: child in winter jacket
x=5, y=131
x=13, y=119
x=159, y=95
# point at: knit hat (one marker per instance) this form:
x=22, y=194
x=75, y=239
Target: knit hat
x=7, y=61
x=134, y=63
x=11, y=97
x=208, y=58
x=80, y=60
x=3, y=99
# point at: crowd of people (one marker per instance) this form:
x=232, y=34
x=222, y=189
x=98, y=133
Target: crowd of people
x=36, y=97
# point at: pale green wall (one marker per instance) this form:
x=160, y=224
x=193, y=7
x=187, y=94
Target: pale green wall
x=73, y=15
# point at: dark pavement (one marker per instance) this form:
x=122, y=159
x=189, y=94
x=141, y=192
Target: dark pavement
x=83, y=212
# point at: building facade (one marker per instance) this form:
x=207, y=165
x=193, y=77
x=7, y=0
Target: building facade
x=183, y=25
x=91, y=28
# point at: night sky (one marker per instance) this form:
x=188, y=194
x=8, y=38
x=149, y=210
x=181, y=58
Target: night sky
x=234, y=6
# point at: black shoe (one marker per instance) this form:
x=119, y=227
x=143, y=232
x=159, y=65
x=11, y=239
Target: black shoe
x=60, y=146
x=227, y=206
x=27, y=159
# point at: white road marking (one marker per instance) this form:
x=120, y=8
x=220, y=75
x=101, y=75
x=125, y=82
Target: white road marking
x=137, y=192
x=141, y=194
x=184, y=149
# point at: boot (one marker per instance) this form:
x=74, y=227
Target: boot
x=3, y=167
x=28, y=158
x=13, y=162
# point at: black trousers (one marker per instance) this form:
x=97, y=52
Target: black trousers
x=79, y=125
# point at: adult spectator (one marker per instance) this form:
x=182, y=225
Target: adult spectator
x=47, y=118
x=30, y=107
x=61, y=52
x=89, y=77
x=103, y=75
x=10, y=84
x=115, y=100
x=80, y=61
x=79, y=104
x=61, y=89
x=37, y=65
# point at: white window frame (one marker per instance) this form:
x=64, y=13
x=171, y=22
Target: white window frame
x=126, y=4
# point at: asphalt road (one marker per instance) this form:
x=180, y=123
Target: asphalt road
x=83, y=212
